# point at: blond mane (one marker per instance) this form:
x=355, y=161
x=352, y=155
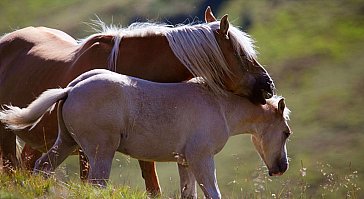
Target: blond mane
x=194, y=45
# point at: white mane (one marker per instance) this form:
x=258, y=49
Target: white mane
x=194, y=45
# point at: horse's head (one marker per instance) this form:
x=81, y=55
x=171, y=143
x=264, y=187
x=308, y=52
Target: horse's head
x=271, y=136
x=248, y=77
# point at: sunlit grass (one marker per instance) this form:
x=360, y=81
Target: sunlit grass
x=298, y=184
x=24, y=185
x=314, y=180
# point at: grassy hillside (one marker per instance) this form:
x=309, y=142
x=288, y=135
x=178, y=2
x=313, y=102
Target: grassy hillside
x=314, y=52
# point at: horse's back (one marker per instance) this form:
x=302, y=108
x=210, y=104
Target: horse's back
x=98, y=87
x=28, y=56
x=44, y=43
x=99, y=84
x=59, y=34
x=37, y=35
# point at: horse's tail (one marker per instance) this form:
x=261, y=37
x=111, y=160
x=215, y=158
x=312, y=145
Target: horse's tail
x=16, y=118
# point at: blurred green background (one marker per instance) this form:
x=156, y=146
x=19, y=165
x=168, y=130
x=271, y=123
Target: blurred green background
x=314, y=51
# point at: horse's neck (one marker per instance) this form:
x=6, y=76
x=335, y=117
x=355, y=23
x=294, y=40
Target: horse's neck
x=146, y=57
x=241, y=115
x=150, y=58
x=145, y=47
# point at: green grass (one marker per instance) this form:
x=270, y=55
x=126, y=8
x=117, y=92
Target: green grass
x=24, y=185
x=298, y=184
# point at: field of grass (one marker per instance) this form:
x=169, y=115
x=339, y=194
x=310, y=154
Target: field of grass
x=314, y=52
x=24, y=185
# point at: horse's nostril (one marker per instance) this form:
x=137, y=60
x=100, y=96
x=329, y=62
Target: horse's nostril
x=283, y=167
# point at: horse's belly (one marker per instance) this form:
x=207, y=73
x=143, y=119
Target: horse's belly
x=149, y=151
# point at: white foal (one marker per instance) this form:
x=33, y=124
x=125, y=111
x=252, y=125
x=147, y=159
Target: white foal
x=104, y=112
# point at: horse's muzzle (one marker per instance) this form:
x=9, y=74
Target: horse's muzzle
x=279, y=169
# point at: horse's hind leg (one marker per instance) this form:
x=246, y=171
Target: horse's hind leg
x=149, y=174
x=99, y=152
x=8, y=149
x=61, y=149
x=29, y=156
x=100, y=164
x=84, y=165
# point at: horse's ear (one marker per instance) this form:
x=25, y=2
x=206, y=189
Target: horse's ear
x=281, y=106
x=209, y=17
x=224, y=25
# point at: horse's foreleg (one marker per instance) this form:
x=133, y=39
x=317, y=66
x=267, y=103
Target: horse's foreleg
x=149, y=174
x=29, y=156
x=187, y=182
x=84, y=165
x=204, y=171
x=8, y=150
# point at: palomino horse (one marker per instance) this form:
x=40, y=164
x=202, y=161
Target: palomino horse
x=34, y=59
x=103, y=112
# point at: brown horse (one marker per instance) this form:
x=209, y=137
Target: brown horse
x=34, y=59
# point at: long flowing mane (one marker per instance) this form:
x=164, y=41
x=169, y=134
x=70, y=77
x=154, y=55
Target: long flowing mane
x=194, y=45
